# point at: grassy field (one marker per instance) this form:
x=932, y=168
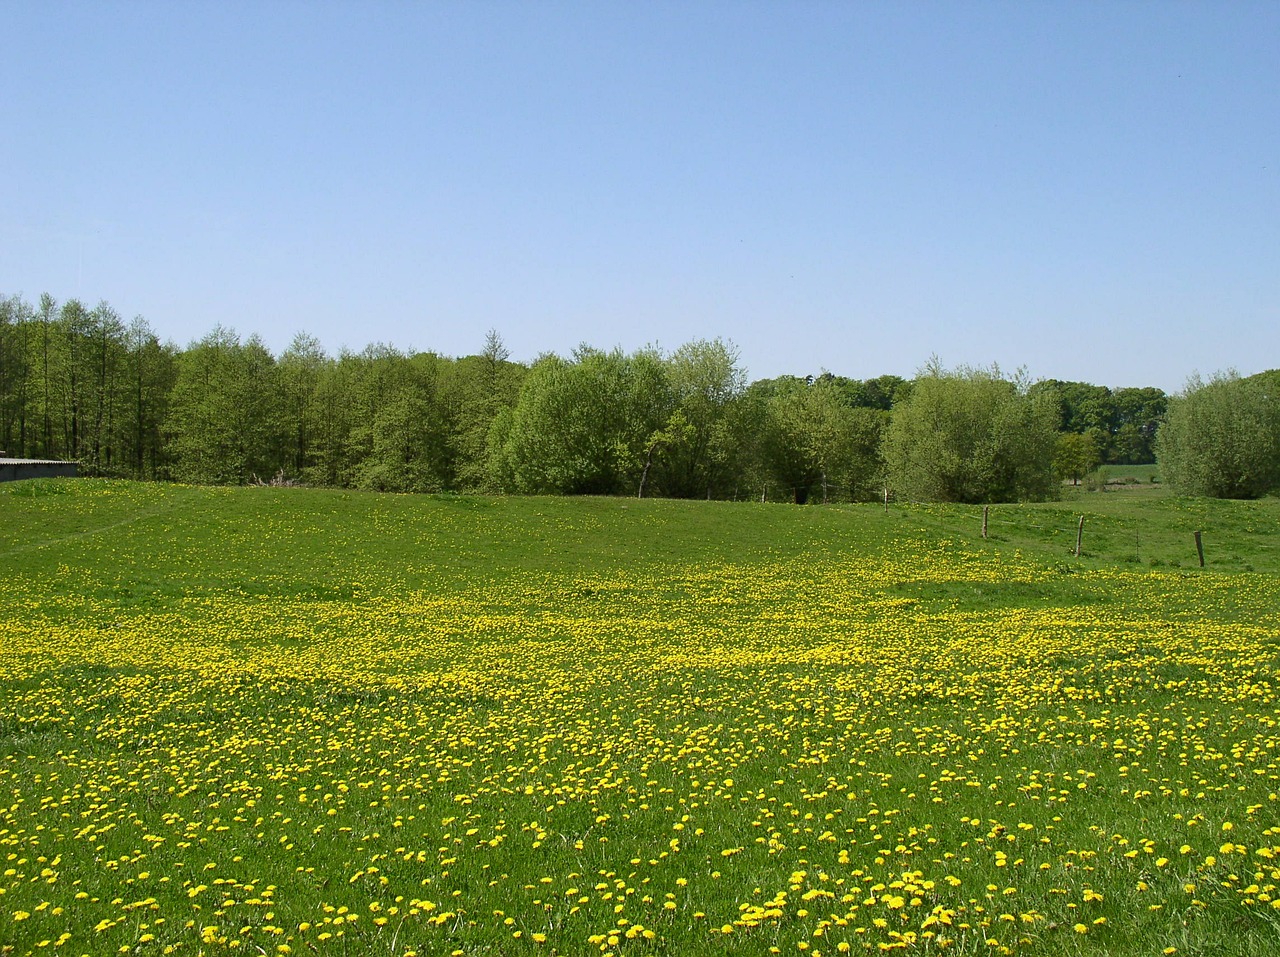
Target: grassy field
x=271, y=721
x=1129, y=474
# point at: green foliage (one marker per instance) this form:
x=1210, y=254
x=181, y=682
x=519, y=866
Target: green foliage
x=1139, y=412
x=80, y=383
x=701, y=456
x=582, y=426
x=971, y=435
x=1077, y=455
x=1123, y=422
x=16, y=327
x=408, y=437
x=224, y=425
x=301, y=367
x=605, y=423
x=880, y=393
x=483, y=388
x=149, y=376
x=1221, y=438
x=814, y=443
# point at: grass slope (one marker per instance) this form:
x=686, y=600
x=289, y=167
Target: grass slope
x=278, y=720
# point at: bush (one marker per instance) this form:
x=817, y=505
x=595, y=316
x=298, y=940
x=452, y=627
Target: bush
x=971, y=435
x=1221, y=438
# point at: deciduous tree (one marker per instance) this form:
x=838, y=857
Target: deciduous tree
x=583, y=425
x=972, y=435
x=225, y=423
x=1221, y=438
x=1077, y=454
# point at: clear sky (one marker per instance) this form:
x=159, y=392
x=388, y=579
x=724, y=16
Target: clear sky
x=1089, y=190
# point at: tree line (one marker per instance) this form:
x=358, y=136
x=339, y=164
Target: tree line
x=80, y=383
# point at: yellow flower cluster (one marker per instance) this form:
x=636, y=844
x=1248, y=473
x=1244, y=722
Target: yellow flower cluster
x=813, y=756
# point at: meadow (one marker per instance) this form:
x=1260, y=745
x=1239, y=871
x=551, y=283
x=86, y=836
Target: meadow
x=273, y=721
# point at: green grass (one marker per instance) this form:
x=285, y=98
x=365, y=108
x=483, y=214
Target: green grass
x=281, y=720
x=1130, y=475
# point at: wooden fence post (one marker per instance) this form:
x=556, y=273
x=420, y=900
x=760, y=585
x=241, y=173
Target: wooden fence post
x=1200, y=549
x=1079, y=535
x=985, y=510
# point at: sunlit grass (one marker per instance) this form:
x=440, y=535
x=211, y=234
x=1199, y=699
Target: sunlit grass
x=280, y=721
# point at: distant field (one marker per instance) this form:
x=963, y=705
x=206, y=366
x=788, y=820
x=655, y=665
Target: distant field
x=290, y=721
x=1134, y=474
x=1129, y=475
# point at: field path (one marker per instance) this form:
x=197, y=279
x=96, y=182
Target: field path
x=163, y=507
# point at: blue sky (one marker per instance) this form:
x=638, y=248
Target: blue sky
x=1089, y=190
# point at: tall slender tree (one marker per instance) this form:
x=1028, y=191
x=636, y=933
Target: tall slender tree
x=104, y=352
x=15, y=373
x=301, y=367
x=484, y=386
x=150, y=370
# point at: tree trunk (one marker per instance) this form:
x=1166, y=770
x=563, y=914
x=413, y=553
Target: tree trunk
x=648, y=463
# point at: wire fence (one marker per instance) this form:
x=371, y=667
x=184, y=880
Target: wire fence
x=1082, y=534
